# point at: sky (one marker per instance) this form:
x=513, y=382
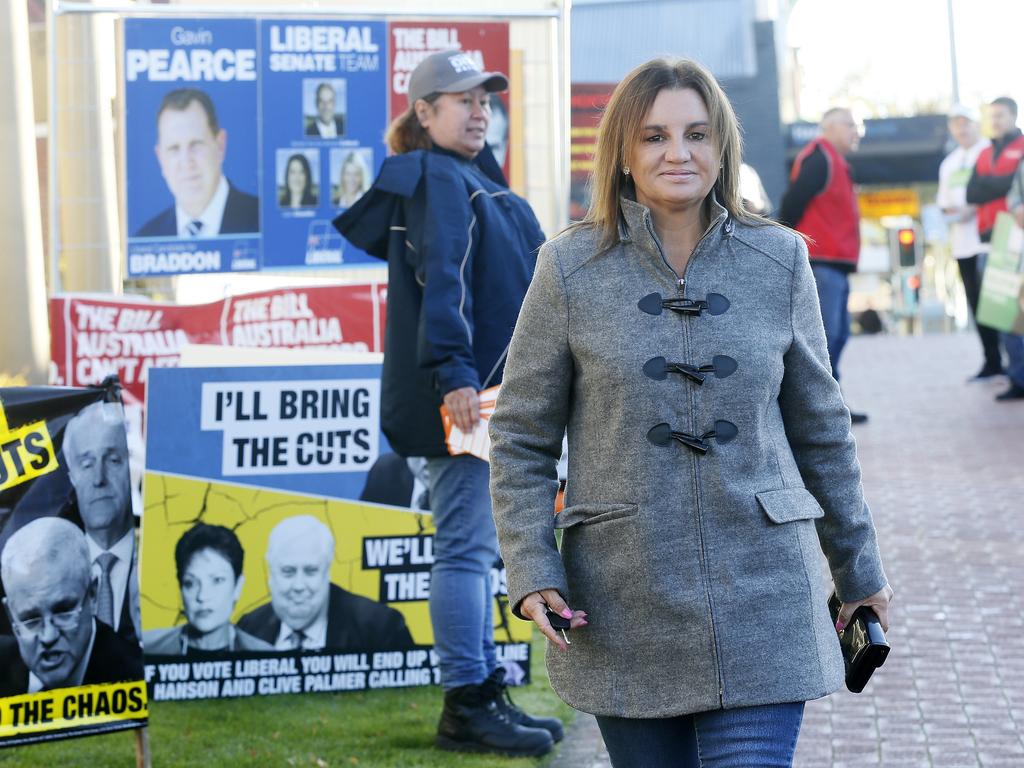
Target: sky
x=891, y=57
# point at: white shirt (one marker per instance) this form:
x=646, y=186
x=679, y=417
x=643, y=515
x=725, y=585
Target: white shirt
x=315, y=635
x=121, y=569
x=326, y=130
x=210, y=217
x=35, y=685
x=954, y=173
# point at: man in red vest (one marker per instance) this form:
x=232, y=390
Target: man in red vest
x=822, y=205
x=996, y=165
x=990, y=183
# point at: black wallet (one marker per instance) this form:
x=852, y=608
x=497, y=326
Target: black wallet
x=863, y=643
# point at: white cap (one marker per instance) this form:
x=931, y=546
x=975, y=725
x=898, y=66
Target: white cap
x=962, y=110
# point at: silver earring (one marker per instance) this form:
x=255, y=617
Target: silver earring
x=625, y=169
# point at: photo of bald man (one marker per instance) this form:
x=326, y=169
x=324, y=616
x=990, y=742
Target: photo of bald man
x=306, y=611
x=50, y=600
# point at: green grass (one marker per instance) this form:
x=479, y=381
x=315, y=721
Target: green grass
x=373, y=729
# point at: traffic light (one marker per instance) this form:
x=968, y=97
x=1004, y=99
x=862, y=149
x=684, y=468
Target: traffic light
x=906, y=240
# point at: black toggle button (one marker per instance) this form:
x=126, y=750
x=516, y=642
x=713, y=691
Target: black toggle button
x=653, y=304
x=662, y=435
x=721, y=366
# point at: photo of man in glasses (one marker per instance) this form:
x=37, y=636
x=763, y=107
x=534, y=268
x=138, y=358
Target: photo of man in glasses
x=50, y=599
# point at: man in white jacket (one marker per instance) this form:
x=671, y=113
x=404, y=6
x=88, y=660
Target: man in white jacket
x=965, y=244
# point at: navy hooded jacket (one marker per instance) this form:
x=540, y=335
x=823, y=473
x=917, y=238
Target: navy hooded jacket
x=461, y=250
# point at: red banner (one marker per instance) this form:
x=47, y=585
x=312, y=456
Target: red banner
x=486, y=43
x=92, y=337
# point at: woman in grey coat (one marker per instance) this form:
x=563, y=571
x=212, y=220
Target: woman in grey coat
x=679, y=342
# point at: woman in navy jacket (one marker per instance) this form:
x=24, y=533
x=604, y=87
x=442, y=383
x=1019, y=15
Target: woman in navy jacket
x=461, y=250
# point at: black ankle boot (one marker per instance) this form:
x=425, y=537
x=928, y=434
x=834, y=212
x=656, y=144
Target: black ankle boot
x=495, y=688
x=472, y=722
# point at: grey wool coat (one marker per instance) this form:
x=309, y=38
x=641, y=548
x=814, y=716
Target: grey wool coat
x=696, y=554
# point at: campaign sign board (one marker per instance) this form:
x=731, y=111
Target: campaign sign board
x=70, y=650
x=246, y=137
x=485, y=42
x=192, y=145
x=92, y=338
x=276, y=484
x=325, y=109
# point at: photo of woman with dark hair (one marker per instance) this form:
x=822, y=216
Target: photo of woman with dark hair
x=209, y=560
x=298, y=189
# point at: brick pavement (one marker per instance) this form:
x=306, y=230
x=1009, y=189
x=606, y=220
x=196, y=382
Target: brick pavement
x=944, y=474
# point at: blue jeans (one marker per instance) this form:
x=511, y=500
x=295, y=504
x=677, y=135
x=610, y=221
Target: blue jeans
x=833, y=294
x=749, y=737
x=465, y=549
x=1014, y=346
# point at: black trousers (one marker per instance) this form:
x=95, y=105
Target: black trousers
x=989, y=336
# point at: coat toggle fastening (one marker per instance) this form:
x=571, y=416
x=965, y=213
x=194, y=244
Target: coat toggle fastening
x=715, y=304
x=658, y=368
x=663, y=434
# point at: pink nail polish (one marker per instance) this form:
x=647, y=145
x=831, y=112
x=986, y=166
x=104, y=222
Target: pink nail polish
x=840, y=626
x=566, y=614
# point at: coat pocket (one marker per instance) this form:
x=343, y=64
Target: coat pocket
x=789, y=504
x=588, y=514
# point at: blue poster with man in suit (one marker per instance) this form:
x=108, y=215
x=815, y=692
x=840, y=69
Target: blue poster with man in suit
x=192, y=139
x=246, y=137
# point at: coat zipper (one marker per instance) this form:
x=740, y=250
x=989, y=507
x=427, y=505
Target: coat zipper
x=681, y=287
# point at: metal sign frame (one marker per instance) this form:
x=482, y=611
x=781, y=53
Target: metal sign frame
x=560, y=14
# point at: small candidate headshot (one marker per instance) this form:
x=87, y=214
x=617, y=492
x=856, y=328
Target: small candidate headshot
x=298, y=190
x=498, y=129
x=50, y=599
x=353, y=179
x=208, y=559
x=190, y=149
x=95, y=449
x=327, y=123
x=307, y=611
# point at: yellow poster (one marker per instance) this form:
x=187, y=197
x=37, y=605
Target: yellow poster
x=375, y=585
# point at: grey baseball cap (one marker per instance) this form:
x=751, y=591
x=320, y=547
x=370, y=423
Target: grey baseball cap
x=451, y=72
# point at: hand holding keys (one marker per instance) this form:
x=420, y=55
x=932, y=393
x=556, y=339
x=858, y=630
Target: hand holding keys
x=560, y=623
x=552, y=616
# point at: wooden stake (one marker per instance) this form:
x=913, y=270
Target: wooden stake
x=143, y=758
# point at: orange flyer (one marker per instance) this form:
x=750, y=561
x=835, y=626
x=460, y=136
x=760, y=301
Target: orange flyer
x=477, y=442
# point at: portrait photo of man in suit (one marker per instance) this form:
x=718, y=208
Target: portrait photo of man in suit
x=306, y=611
x=327, y=123
x=50, y=599
x=190, y=148
x=96, y=451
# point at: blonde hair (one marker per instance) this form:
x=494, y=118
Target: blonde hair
x=621, y=127
x=405, y=132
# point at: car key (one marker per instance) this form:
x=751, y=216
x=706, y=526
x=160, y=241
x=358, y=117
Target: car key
x=560, y=623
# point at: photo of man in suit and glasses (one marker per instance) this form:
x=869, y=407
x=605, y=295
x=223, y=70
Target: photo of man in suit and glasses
x=50, y=599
